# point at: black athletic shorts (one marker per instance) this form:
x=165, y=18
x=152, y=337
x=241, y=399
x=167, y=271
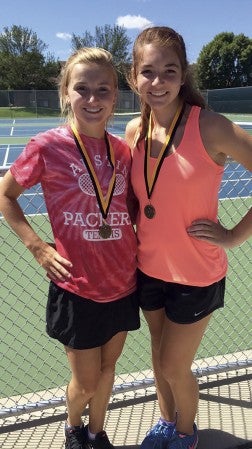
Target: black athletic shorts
x=183, y=303
x=81, y=323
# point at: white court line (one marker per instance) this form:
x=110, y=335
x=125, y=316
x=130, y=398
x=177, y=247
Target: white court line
x=244, y=123
x=6, y=155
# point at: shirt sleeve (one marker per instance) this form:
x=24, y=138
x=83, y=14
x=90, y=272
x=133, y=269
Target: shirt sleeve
x=27, y=169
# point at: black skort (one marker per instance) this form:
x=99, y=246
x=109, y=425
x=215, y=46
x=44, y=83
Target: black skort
x=183, y=304
x=81, y=323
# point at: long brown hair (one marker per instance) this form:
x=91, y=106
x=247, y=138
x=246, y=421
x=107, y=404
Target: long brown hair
x=167, y=38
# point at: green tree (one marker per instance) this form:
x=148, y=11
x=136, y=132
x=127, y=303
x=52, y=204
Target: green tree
x=23, y=64
x=113, y=39
x=18, y=40
x=225, y=62
x=87, y=40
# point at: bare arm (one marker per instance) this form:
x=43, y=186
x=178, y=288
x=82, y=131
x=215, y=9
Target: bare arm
x=216, y=234
x=45, y=254
x=223, y=138
x=131, y=130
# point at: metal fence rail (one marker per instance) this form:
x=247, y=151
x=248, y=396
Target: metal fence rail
x=46, y=102
x=33, y=367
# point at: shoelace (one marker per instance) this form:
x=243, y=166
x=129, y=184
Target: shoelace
x=75, y=439
x=160, y=429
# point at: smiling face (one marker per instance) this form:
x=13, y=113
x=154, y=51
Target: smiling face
x=159, y=76
x=91, y=93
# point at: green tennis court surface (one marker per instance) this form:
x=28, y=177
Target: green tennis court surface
x=32, y=362
x=27, y=351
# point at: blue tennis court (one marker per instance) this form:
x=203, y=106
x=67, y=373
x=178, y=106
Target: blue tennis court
x=34, y=366
x=236, y=182
x=27, y=127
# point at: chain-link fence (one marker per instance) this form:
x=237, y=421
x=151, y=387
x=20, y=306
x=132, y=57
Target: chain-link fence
x=236, y=100
x=42, y=103
x=33, y=367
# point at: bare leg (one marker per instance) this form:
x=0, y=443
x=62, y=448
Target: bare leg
x=85, y=366
x=166, y=403
x=98, y=405
x=178, y=347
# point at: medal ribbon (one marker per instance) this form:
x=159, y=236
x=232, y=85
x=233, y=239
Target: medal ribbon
x=150, y=179
x=104, y=202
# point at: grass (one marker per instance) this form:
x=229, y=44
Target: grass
x=25, y=112
x=29, y=112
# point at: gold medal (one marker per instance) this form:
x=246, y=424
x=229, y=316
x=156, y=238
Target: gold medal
x=149, y=211
x=105, y=231
x=151, y=178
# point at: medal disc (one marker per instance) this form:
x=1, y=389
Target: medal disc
x=105, y=231
x=149, y=211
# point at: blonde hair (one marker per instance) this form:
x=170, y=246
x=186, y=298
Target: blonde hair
x=85, y=55
x=167, y=38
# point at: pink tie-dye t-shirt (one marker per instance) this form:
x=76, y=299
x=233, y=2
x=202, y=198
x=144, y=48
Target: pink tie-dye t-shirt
x=103, y=269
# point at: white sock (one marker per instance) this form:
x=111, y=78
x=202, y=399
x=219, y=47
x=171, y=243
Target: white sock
x=68, y=426
x=91, y=435
x=164, y=421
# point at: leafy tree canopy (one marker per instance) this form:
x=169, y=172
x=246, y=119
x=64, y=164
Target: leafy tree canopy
x=114, y=39
x=225, y=62
x=23, y=64
x=19, y=40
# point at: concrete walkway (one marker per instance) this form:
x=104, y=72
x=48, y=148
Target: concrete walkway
x=224, y=417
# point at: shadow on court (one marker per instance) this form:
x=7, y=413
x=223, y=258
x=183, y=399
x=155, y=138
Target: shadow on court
x=218, y=439
x=213, y=439
x=223, y=419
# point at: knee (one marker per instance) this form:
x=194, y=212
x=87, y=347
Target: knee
x=168, y=371
x=86, y=388
x=173, y=372
x=108, y=370
x=89, y=390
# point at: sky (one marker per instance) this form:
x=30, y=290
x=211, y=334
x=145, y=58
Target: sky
x=198, y=21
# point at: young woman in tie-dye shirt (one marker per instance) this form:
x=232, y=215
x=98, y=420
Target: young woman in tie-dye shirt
x=84, y=173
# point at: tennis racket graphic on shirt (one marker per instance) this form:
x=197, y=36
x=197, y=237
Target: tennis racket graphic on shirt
x=86, y=185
